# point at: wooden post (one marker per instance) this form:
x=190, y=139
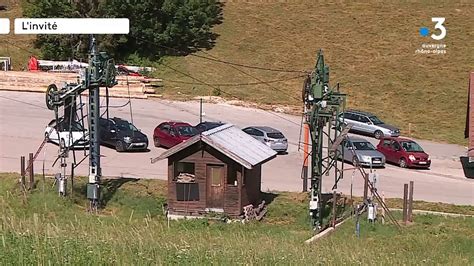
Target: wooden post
x=72, y=178
x=405, y=203
x=306, y=157
x=366, y=187
x=410, y=202
x=22, y=171
x=357, y=229
x=334, y=201
x=31, y=172
x=44, y=178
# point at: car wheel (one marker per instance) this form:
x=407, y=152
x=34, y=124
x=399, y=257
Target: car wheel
x=157, y=142
x=378, y=134
x=402, y=163
x=46, y=137
x=119, y=146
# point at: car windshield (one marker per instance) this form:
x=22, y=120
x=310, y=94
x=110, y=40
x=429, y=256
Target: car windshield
x=375, y=120
x=126, y=126
x=187, y=131
x=77, y=127
x=276, y=135
x=411, y=146
x=363, y=145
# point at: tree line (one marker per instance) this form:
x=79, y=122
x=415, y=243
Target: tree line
x=157, y=27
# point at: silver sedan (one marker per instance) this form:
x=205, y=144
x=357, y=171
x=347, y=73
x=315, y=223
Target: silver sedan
x=363, y=150
x=269, y=136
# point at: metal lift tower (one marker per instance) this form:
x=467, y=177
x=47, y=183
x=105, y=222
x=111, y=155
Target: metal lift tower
x=323, y=106
x=100, y=73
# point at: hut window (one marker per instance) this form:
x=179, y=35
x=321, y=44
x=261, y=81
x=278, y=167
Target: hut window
x=232, y=174
x=187, y=191
x=183, y=168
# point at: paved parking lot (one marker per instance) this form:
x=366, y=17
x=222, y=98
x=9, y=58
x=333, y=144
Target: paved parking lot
x=23, y=117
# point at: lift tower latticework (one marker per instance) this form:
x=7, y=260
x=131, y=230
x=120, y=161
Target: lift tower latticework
x=323, y=108
x=100, y=73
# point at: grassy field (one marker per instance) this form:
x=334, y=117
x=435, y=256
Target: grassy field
x=369, y=46
x=47, y=230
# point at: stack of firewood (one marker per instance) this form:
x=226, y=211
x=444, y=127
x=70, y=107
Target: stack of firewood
x=255, y=213
x=185, y=178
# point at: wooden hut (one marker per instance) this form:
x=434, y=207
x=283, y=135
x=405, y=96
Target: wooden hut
x=216, y=171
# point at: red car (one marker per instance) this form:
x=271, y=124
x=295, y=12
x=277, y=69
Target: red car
x=122, y=70
x=169, y=134
x=404, y=152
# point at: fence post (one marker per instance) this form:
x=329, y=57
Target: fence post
x=366, y=187
x=72, y=179
x=334, y=201
x=405, y=203
x=22, y=171
x=31, y=172
x=410, y=202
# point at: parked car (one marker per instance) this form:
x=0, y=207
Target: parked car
x=363, y=150
x=77, y=137
x=169, y=134
x=269, y=136
x=123, y=70
x=205, y=126
x=122, y=135
x=404, y=152
x=367, y=123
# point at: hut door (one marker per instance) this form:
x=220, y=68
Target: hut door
x=215, y=186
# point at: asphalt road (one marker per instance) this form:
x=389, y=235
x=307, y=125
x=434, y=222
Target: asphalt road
x=23, y=117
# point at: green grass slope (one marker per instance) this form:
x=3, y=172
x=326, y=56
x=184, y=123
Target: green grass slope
x=44, y=229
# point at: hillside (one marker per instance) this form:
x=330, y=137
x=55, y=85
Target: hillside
x=370, y=48
x=41, y=228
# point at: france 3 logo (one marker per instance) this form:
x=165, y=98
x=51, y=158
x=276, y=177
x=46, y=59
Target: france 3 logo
x=424, y=31
x=438, y=33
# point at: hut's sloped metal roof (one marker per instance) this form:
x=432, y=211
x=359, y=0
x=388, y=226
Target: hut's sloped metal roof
x=232, y=142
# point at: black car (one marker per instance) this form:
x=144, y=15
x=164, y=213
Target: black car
x=205, y=126
x=122, y=135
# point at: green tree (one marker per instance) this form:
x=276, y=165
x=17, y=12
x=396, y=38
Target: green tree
x=157, y=27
